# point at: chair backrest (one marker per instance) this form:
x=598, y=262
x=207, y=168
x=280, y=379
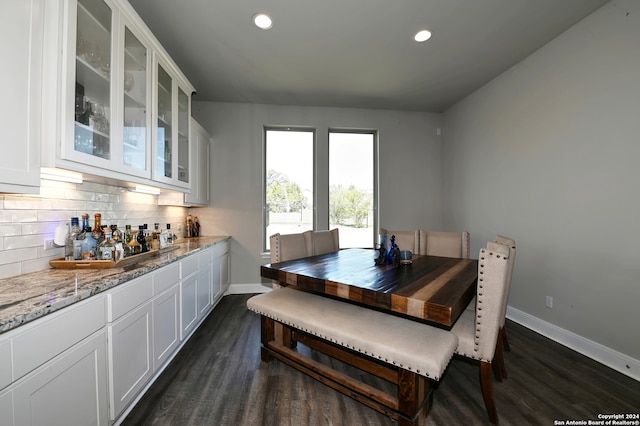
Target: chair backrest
x=290, y=246
x=325, y=241
x=511, y=243
x=445, y=244
x=493, y=268
x=406, y=240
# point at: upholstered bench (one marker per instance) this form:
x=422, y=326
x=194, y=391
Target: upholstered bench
x=404, y=352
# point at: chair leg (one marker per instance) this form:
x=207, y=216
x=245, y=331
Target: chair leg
x=499, y=367
x=503, y=336
x=487, y=391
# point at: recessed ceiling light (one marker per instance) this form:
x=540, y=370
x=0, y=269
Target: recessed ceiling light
x=262, y=21
x=422, y=35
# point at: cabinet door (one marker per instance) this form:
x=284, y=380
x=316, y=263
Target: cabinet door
x=200, y=163
x=188, y=305
x=130, y=346
x=69, y=390
x=6, y=408
x=22, y=25
x=220, y=269
x=205, y=284
x=166, y=323
x=172, y=143
x=89, y=88
x=135, y=95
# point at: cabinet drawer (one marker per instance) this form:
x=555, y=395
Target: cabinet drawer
x=166, y=277
x=204, y=258
x=221, y=248
x=188, y=266
x=57, y=332
x=127, y=296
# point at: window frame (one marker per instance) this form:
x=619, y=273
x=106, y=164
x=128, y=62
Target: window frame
x=265, y=213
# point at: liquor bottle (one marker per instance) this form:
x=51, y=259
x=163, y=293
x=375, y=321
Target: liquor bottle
x=80, y=237
x=71, y=236
x=89, y=246
x=107, y=249
x=132, y=245
x=165, y=237
x=116, y=234
x=155, y=237
x=147, y=236
x=142, y=240
x=171, y=237
x=97, y=228
x=196, y=227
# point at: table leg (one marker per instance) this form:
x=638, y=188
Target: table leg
x=267, y=334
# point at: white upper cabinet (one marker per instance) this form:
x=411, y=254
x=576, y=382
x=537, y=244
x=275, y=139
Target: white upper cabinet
x=112, y=107
x=21, y=44
x=171, y=132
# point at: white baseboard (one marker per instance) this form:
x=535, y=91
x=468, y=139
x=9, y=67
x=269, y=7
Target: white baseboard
x=604, y=355
x=248, y=288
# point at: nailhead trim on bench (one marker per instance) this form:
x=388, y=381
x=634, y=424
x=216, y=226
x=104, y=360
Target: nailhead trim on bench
x=261, y=305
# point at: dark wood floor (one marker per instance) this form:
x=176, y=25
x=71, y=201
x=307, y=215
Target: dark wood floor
x=218, y=379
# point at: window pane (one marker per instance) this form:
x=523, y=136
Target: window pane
x=351, y=186
x=289, y=181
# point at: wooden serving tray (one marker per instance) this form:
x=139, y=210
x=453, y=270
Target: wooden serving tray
x=105, y=264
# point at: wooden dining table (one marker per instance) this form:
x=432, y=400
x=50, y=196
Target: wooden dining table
x=432, y=288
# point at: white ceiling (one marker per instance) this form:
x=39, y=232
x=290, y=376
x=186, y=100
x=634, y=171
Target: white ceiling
x=353, y=53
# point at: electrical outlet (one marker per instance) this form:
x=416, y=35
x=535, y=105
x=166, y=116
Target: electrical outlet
x=49, y=245
x=549, y=302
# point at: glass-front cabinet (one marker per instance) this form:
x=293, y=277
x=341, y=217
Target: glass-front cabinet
x=172, y=130
x=93, y=82
x=126, y=105
x=135, y=134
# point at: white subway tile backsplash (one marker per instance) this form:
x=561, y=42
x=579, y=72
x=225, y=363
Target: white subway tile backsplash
x=10, y=270
x=23, y=241
x=10, y=230
x=17, y=202
x=19, y=255
x=18, y=216
x=27, y=220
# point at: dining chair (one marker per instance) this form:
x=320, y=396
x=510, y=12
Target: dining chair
x=445, y=244
x=478, y=330
x=406, y=240
x=511, y=243
x=325, y=241
x=289, y=246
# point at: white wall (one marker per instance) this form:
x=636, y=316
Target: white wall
x=548, y=153
x=409, y=152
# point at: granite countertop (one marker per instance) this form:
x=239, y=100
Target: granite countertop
x=27, y=297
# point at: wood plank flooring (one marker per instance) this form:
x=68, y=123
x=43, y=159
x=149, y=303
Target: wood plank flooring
x=218, y=379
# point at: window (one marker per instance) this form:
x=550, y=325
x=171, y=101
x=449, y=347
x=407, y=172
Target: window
x=334, y=189
x=289, y=178
x=351, y=187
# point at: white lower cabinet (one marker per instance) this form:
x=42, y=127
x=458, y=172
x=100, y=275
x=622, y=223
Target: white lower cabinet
x=87, y=363
x=166, y=323
x=71, y=389
x=130, y=361
x=189, y=305
x=205, y=285
x=220, y=272
x=6, y=408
